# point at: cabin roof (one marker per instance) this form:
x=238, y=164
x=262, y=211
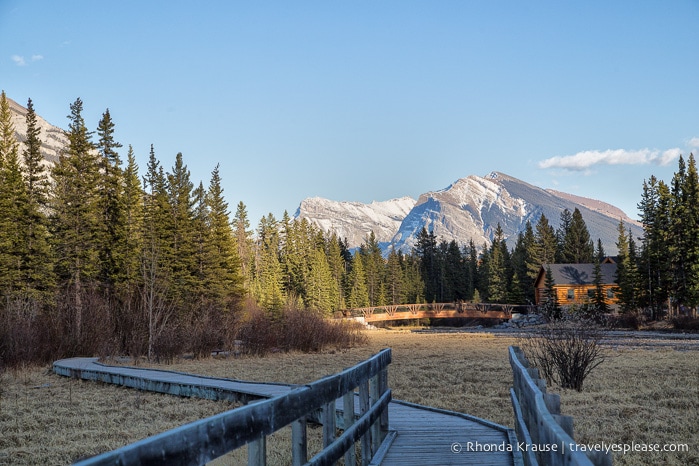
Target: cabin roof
x=577, y=274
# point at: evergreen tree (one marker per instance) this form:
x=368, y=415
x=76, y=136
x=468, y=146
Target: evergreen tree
x=426, y=251
x=374, y=270
x=600, y=255
x=546, y=244
x=181, y=247
x=598, y=300
x=357, y=294
x=454, y=274
x=110, y=203
x=498, y=265
x=338, y=267
x=223, y=278
x=566, y=220
x=413, y=286
x=471, y=269
x=296, y=251
x=36, y=176
x=244, y=243
x=14, y=206
x=523, y=266
x=133, y=222
x=549, y=306
x=577, y=247
x=322, y=290
x=655, y=255
x=39, y=276
x=625, y=288
x=394, y=278
x=691, y=226
x=8, y=141
x=155, y=282
x=75, y=221
x=205, y=286
x=483, y=274
x=268, y=284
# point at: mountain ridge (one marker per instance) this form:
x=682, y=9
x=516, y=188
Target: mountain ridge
x=469, y=209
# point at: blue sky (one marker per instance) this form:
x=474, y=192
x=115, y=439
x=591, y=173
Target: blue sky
x=367, y=100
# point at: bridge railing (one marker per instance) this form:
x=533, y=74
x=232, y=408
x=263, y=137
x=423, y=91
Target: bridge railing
x=538, y=421
x=207, y=439
x=437, y=308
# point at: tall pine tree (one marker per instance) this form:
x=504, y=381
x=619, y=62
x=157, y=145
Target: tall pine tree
x=76, y=223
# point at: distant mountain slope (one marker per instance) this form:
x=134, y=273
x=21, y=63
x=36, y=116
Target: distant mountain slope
x=355, y=220
x=53, y=139
x=469, y=209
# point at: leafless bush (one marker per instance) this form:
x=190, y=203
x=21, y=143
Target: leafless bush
x=565, y=351
x=167, y=344
x=687, y=323
x=308, y=331
x=295, y=330
x=255, y=329
x=626, y=320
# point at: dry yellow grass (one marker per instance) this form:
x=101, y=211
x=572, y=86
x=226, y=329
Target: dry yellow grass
x=52, y=420
x=637, y=395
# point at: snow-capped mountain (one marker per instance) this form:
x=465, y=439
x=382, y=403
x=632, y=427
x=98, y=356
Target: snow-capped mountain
x=355, y=220
x=469, y=209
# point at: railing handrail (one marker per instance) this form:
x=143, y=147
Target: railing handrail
x=204, y=440
x=536, y=423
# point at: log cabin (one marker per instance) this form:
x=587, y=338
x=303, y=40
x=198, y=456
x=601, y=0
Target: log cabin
x=574, y=283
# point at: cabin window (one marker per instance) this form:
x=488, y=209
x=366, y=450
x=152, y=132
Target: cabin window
x=571, y=294
x=590, y=293
x=610, y=293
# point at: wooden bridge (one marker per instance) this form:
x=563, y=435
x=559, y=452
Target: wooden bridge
x=356, y=400
x=459, y=310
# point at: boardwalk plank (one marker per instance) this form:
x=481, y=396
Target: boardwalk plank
x=422, y=435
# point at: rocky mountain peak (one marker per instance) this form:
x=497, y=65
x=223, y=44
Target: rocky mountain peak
x=469, y=209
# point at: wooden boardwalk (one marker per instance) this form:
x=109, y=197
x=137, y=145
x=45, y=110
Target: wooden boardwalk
x=419, y=434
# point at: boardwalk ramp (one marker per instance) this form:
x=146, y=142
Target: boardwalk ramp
x=418, y=435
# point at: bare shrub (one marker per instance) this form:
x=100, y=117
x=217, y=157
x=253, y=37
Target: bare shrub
x=167, y=344
x=309, y=331
x=565, y=351
x=687, y=323
x=256, y=331
x=630, y=320
x=295, y=330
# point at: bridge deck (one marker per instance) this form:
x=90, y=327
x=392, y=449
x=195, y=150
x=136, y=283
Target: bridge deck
x=422, y=435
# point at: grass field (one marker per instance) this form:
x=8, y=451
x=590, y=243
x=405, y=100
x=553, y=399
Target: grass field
x=641, y=395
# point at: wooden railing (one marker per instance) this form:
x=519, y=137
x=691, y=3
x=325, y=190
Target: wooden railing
x=207, y=439
x=547, y=435
x=458, y=310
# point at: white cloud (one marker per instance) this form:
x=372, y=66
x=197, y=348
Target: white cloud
x=582, y=161
x=694, y=143
x=21, y=61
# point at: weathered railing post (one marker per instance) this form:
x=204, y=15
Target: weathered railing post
x=328, y=414
x=373, y=396
x=364, y=407
x=348, y=420
x=383, y=420
x=257, y=452
x=299, y=442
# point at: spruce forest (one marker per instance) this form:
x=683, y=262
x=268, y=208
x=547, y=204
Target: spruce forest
x=99, y=257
